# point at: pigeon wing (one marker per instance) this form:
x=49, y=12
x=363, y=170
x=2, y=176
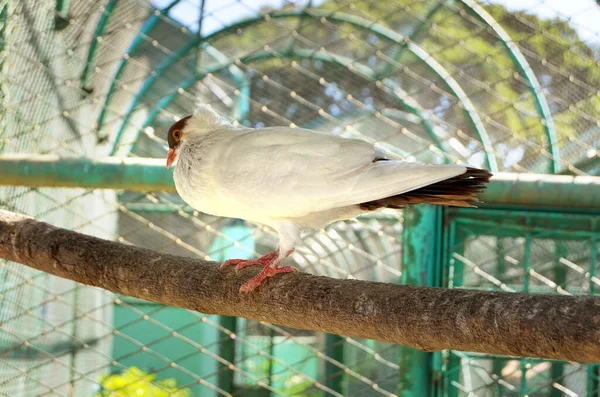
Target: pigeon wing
x=288, y=172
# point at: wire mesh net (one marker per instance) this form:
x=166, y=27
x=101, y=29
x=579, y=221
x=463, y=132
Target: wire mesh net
x=504, y=85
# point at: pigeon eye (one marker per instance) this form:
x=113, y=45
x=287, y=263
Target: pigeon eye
x=177, y=134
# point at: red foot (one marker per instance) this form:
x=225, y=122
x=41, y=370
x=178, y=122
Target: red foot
x=264, y=274
x=239, y=264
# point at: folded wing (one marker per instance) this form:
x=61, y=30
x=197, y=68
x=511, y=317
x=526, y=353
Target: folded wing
x=294, y=172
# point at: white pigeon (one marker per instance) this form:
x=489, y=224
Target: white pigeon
x=292, y=179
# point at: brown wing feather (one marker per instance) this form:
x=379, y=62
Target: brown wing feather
x=458, y=191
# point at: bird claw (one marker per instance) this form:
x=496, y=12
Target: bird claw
x=240, y=264
x=264, y=274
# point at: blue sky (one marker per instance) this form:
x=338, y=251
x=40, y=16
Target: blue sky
x=584, y=15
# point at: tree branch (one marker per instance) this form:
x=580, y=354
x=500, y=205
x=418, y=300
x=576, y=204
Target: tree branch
x=546, y=326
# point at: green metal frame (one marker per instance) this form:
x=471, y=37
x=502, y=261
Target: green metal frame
x=137, y=41
x=356, y=21
x=301, y=54
x=534, y=85
x=421, y=266
x=86, y=76
x=530, y=224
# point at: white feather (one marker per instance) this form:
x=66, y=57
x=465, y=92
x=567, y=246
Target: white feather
x=287, y=178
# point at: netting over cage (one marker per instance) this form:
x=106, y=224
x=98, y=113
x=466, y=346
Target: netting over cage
x=482, y=83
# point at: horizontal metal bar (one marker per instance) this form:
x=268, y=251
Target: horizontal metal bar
x=136, y=174
x=145, y=174
x=542, y=190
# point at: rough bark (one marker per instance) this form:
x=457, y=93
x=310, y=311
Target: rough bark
x=546, y=326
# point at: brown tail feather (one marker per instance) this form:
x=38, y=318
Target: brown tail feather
x=458, y=191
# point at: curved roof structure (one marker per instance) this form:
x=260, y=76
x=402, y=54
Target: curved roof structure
x=403, y=64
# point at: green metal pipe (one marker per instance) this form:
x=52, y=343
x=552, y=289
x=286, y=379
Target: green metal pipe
x=561, y=250
x=145, y=174
x=542, y=190
x=108, y=173
x=334, y=375
x=420, y=266
x=521, y=62
x=220, y=250
x=86, y=76
x=354, y=20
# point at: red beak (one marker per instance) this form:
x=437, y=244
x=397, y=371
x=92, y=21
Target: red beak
x=171, y=156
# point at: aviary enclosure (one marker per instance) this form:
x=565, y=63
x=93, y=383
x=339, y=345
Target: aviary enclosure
x=88, y=89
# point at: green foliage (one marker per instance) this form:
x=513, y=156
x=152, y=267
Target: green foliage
x=136, y=383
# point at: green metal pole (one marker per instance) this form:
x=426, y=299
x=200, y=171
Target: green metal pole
x=499, y=364
x=526, y=278
x=222, y=249
x=150, y=174
x=455, y=280
x=108, y=173
x=560, y=278
x=421, y=242
x=334, y=376
x=225, y=379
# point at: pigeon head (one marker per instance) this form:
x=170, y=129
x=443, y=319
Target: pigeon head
x=203, y=122
x=174, y=138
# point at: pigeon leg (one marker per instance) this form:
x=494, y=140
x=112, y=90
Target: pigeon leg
x=239, y=264
x=269, y=271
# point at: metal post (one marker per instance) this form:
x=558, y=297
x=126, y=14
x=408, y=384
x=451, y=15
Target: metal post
x=499, y=363
x=560, y=278
x=220, y=250
x=225, y=378
x=421, y=243
x=456, y=243
x=524, y=363
x=334, y=375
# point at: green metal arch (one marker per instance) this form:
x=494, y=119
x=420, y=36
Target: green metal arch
x=523, y=66
x=300, y=54
x=303, y=54
x=137, y=41
x=86, y=76
x=242, y=108
x=437, y=68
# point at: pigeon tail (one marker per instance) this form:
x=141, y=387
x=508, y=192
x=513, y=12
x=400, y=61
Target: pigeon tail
x=458, y=191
